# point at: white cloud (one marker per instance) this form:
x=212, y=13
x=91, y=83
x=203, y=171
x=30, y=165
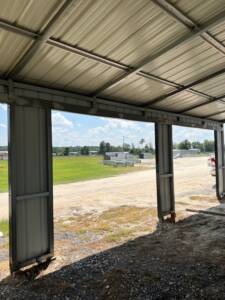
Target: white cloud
x=3, y=106
x=114, y=130
x=192, y=134
x=3, y=126
x=59, y=120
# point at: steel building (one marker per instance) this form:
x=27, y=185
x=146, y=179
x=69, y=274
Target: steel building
x=159, y=61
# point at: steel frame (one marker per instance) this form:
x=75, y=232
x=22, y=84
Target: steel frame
x=27, y=94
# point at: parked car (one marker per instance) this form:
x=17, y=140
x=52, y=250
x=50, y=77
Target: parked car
x=212, y=165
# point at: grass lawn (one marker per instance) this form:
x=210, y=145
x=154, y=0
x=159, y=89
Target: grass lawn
x=72, y=169
x=3, y=176
x=4, y=227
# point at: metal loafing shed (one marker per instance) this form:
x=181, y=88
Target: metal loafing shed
x=159, y=61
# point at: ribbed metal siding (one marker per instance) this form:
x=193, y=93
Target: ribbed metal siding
x=29, y=169
x=220, y=168
x=164, y=169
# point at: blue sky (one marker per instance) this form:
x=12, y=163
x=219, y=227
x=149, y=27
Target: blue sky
x=73, y=129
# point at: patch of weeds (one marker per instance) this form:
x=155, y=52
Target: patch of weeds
x=128, y=214
x=119, y=235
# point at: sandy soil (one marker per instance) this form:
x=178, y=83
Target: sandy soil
x=192, y=180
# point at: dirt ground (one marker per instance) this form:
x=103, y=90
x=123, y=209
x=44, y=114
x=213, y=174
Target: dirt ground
x=109, y=245
x=192, y=178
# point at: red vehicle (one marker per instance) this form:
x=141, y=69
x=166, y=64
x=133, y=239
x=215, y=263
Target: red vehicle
x=212, y=165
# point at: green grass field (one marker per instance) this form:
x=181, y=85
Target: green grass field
x=3, y=176
x=72, y=169
x=4, y=227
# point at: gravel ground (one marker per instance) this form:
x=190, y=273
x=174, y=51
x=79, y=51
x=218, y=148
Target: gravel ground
x=168, y=264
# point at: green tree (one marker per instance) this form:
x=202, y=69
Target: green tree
x=184, y=145
x=197, y=145
x=102, y=148
x=66, y=151
x=84, y=150
x=107, y=147
x=208, y=146
x=126, y=147
x=142, y=142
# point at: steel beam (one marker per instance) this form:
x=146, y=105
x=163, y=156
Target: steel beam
x=13, y=92
x=181, y=41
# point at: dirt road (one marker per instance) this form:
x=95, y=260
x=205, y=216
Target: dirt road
x=192, y=181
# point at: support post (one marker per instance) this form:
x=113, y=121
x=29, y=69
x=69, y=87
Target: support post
x=164, y=171
x=220, y=167
x=31, y=197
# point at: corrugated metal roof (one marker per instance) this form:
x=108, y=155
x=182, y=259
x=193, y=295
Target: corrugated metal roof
x=12, y=48
x=56, y=68
x=137, y=90
x=208, y=109
x=28, y=13
x=188, y=63
x=179, y=102
x=126, y=31
x=200, y=10
x=96, y=42
x=214, y=87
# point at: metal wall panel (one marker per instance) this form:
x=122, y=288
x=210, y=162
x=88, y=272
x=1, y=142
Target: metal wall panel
x=164, y=169
x=220, y=167
x=31, y=213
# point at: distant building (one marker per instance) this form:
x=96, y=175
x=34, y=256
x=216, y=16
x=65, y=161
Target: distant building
x=119, y=158
x=145, y=155
x=185, y=153
x=3, y=155
x=93, y=152
x=53, y=154
x=74, y=153
x=117, y=155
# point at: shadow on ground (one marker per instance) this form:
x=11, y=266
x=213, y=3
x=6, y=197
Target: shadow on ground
x=180, y=261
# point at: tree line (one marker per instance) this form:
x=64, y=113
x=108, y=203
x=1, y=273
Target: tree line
x=103, y=147
x=206, y=146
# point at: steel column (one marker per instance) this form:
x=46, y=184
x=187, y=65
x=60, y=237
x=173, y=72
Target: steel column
x=164, y=170
x=220, y=167
x=31, y=197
